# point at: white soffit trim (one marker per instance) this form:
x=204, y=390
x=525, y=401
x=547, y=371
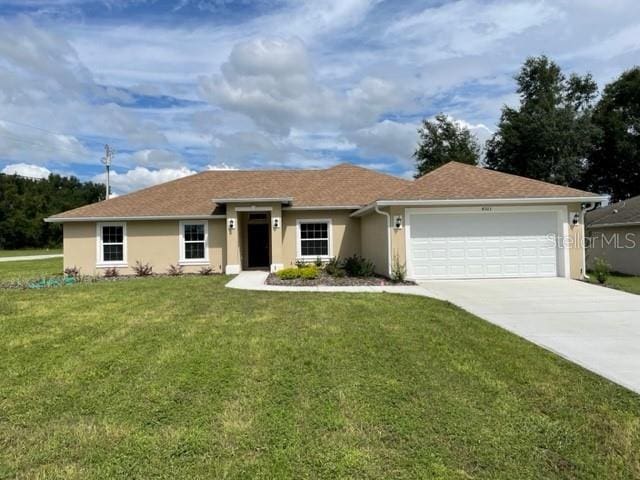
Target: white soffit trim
x=255, y=200
x=478, y=201
x=325, y=207
x=124, y=219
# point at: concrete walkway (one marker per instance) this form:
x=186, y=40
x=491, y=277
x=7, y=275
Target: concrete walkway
x=29, y=257
x=254, y=280
x=595, y=327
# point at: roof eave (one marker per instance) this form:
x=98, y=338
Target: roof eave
x=634, y=223
x=283, y=200
x=131, y=218
x=478, y=201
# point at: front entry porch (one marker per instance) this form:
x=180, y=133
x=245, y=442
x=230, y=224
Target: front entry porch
x=254, y=237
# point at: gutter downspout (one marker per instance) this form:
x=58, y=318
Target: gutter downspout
x=583, y=211
x=377, y=210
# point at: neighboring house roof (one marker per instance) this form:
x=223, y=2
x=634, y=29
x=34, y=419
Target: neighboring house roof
x=456, y=180
x=626, y=212
x=344, y=185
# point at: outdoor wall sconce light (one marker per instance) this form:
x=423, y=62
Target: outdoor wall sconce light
x=231, y=223
x=276, y=223
x=397, y=222
x=575, y=218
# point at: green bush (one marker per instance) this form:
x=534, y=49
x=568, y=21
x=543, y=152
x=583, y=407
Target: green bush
x=309, y=273
x=289, y=273
x=357, y=266
x=601, y=270
x=398, y=270
x=334, y=268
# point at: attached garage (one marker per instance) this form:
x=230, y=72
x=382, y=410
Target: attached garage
x=484, y=242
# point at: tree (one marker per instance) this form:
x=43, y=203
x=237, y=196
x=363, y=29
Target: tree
x=613, y=166
x=441, y=141
x=26, y=202
x=550, y=135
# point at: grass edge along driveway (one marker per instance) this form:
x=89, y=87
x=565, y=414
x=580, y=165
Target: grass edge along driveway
x=182, y=378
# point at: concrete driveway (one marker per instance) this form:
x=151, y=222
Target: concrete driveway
x=595, y=327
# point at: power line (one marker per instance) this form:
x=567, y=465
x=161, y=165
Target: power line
x=34, y=127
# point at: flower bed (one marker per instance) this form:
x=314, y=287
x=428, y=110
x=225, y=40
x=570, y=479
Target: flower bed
x=323, y=279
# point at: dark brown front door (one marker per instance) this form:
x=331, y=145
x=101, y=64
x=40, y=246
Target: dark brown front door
x=258, y=244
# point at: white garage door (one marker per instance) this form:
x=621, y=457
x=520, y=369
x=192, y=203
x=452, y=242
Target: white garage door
x=482, y=245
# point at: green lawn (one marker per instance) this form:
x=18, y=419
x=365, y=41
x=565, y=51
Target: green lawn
x=182, y=378
x=29, y=252
x=621, y=282
x=30, y=269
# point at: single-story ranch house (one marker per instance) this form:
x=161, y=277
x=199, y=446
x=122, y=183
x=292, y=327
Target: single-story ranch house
x=614, y=236
x=458, y=221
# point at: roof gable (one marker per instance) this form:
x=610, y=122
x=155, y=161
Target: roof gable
x=456, y=180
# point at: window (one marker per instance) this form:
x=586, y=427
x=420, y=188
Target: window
x=193, y=242
x=112, y=243
x=314, y=238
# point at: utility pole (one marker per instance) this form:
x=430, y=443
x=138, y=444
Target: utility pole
x=106, y=160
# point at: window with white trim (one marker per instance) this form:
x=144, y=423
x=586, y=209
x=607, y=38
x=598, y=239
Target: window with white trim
x=314, y=238
x=112, y=243
x=193, y=241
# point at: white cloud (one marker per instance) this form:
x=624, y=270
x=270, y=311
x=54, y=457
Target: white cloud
x=141, y=177
x=271, y=81
x=26, y=170
x=154, y=158
x=388, y=138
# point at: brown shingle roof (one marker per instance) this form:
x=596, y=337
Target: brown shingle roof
x=626, y=212
x=461, y=181
x=342, y=185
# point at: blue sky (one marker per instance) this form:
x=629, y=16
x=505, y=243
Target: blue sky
x=184, y=85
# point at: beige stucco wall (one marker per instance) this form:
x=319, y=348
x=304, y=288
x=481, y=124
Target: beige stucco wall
x=619, y=246
x=153, y=242
x=576, y=245
x=79, y=246
x=373, y=242
x=345, y=232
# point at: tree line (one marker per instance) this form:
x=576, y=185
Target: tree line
x=26, y=202
x=560, y=132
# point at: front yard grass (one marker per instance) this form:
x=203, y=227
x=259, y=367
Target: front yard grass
x=626, y=283
x=29, y=252
x=182, y=378
x=30, y=269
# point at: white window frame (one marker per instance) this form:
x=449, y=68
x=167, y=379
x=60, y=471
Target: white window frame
x=99, y=244
x=194, y=261
x=299, y=222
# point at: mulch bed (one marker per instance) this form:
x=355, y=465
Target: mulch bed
x=325, y=280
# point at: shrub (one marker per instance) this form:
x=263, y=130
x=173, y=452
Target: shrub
x=289, y=273
x=205, y=271
x=601, y=270
x=333, y=266
x=111, y=272
x=309, y=273
x=142, y=269
x=175, y=270
x=318, y=262
x=357, y=266
x=72, y=272
x=398, y=270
